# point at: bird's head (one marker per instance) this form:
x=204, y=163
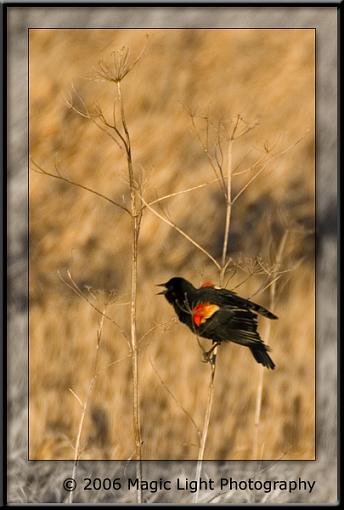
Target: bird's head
x=176, y=288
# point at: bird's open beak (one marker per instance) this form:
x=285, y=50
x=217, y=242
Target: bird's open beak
x=163, y=292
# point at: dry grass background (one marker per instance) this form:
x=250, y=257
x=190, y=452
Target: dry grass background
x=265, y=75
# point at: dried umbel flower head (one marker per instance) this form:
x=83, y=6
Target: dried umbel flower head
x=120, y=66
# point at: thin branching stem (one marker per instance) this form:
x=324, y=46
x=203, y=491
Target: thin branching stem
x=94, y=117
x=71, y=283
x=222, y=270
x=156, y=326
x=117, y=131
x=84, y=405
x=259, y=397
x=136, y=215
x=39, y=169
x=206, y=421
x=184, y=234
x=134, y=346
x=179, y=404
x=264, y=163
x=228, y=206
x=182, y=192
x=205, y=146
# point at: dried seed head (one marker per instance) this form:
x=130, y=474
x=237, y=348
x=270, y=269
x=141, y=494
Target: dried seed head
x=120, y=66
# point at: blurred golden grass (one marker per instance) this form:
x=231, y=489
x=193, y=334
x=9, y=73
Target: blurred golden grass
x=265, y=75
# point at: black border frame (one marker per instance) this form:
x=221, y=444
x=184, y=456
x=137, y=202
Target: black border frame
x=3, y=254
x=3, y=180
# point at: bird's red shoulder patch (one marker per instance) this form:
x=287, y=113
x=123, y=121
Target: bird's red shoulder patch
x=207, y=283
x=202, y=312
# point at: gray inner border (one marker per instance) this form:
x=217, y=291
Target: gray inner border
x=41, y=482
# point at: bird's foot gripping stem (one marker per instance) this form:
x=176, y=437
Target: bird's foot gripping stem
x=210, y=356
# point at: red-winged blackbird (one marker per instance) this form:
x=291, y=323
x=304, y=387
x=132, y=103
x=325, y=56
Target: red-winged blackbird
x=219, y=315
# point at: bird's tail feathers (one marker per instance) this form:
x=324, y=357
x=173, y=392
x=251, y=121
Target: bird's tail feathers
x=260, y=354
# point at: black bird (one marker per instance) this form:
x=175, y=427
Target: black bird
x=219, y=315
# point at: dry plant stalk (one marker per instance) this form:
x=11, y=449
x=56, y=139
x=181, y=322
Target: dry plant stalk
x=118, y=131
x=272, y=295
x=219, y=163
x=114, y=74
x=222, y=271
x=136, y=216
x=84, y=404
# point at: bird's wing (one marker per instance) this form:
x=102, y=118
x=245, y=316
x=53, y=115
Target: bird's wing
x=232, y=298
x=231, y=323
